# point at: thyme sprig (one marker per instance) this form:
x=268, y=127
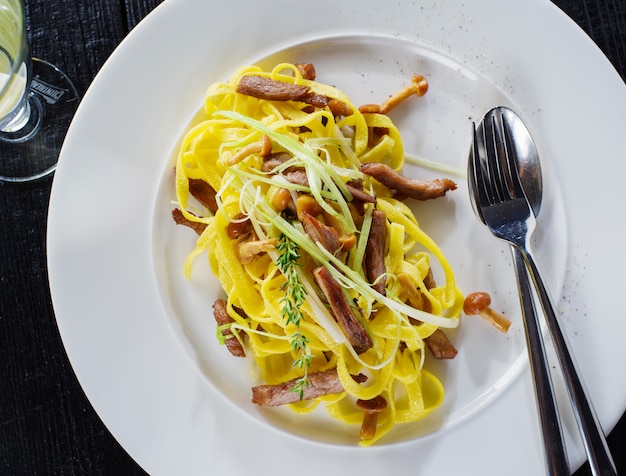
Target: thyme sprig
x=291, y=304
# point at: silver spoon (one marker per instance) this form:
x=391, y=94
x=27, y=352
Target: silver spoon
x=530, y=176
x=529, y=169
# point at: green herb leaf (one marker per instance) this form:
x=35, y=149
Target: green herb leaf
x=291, y=303
x=300, y=385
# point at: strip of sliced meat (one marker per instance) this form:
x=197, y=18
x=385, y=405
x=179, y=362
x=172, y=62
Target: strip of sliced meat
x=273, y=160
x=339, y=108
x=355, y=187
x=340, y=307
x=319, y=232
x=320, y=383
x=204, y=193
x=307, y=70
x=440, y=346
x=375, y=251
x=419, y=189
x=239, y=226
x=296, y=176
x=180, y=219
x=262, y=87
x=429, y=279
x=220, y=313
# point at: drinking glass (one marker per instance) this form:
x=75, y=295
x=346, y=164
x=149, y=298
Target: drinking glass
x=37, y=102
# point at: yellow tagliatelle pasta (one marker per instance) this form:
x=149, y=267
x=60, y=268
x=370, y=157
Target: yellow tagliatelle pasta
x=285, y=171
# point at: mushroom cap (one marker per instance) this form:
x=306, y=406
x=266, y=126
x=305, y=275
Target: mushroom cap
x=476, y=303
x=376, y=404
x=420, y=84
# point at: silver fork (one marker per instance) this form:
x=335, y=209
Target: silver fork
x=502, y=206
x=486, y=153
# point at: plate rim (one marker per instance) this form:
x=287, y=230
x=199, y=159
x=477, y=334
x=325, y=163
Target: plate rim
x=55, y=238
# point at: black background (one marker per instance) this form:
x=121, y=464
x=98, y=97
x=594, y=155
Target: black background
x=47, y=426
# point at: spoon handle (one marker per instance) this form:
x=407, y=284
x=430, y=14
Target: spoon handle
x=554, y=447
x=596, y=447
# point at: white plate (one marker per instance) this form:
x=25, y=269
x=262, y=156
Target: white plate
x=140, y=337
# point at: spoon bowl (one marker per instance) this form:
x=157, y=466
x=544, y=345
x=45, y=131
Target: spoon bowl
x=527, y=155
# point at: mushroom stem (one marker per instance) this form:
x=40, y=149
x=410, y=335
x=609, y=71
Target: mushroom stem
x=262, y=147
x=370, y=420
x=368, y=427
x=496, y=319
x=418, y=86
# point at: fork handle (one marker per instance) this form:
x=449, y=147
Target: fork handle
x=554, y=447
x=596, y=447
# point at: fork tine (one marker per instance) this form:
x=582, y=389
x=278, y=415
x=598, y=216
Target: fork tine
x=496, y=155
x=502, y=157
x=476, y=171
x=493, y=164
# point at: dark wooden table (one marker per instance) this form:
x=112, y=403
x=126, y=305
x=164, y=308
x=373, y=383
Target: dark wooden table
x=47, y=426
